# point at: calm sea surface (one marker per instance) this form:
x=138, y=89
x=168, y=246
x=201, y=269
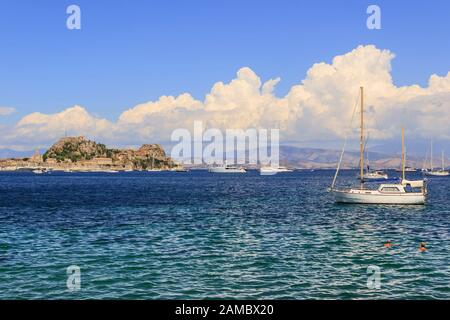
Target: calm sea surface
x=197, y=235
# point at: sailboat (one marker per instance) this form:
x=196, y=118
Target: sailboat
x=405, y=192
x=373, y=175
x=433, y=172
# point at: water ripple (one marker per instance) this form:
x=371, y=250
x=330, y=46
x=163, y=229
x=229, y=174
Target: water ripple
x=198, y=236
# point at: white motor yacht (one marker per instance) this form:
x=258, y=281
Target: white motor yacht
x=226, y=168
x=269, y=170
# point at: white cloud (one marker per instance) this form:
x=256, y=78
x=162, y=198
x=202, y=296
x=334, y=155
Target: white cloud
x=4, y=111
x=318, y=108
x=41, y=129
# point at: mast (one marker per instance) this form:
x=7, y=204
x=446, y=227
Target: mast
x=431, y=156
x=443, y=167
x=403, y=154
x=361, y=141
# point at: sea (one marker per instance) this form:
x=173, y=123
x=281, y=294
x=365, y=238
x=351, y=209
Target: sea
x=198, y=235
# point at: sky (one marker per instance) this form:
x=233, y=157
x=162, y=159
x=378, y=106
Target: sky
x=132, y=53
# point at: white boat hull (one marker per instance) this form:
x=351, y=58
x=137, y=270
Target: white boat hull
x=437, y=173
x=375, y=177
x=376, y=197
x=269, y=171
x=226, y=170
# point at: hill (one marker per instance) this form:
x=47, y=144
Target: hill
x=312, y=158
x=83, y=151
x=79, y=153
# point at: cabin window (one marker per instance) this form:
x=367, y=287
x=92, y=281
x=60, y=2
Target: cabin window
x=390, y=189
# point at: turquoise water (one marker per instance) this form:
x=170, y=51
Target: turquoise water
x=197, y=235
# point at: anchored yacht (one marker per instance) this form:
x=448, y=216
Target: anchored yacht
x=269, y=170
x=407, y=169
x=405, y=192
x=226, y=168
x=436, y=172
x=374, y=175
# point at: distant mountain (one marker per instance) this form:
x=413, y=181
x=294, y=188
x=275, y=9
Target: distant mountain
x=311, y=158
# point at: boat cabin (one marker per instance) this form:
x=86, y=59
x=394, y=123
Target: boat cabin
x=405, y=187
x=392, y=188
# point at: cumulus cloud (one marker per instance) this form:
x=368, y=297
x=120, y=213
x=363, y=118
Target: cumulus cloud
x=5, y=111
x=317, y=108
x=40, y=129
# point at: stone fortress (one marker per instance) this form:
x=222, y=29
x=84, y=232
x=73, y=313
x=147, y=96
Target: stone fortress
x=81, y=154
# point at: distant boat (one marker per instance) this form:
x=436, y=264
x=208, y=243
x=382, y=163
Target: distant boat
x=226, y=168
x=179, y=169
x=406, y=192
x=38, y=171
x=407, y=169
x=110, y=171
x=436, y=172
x=374, y=175
x=268, y=170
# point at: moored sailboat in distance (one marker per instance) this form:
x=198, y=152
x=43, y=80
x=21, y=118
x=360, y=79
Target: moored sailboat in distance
x=373, y=175
x=405, y=192
x=436, y=172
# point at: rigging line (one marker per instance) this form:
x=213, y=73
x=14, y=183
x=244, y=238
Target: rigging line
x=366, y=150
x=366, y=141
x=345, y=143
x=424, y=164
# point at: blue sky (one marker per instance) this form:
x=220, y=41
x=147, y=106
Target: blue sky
x=130, y=52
